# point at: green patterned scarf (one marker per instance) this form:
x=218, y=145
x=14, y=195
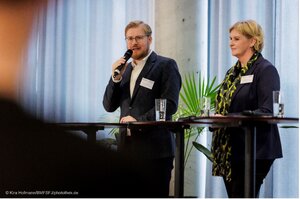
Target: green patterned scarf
x=221, y=148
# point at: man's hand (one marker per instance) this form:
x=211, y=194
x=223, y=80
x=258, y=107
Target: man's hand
x=127, y=119
x=116, y=64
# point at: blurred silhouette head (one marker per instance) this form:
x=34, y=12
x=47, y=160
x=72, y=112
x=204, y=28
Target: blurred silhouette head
x=16, y=19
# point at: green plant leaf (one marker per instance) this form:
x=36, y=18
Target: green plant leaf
x=288, y=127
x=204, y=150
x=194, y=87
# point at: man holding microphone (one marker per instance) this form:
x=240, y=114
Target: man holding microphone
x=134, y=87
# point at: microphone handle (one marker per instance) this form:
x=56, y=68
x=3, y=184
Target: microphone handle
x=127, y=56
x=118, y=70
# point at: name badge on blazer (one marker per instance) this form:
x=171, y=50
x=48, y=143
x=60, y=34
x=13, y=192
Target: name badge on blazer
x=247, y=79
x=147, y=83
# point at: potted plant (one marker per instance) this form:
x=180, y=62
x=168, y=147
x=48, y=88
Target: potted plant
x=194, y=87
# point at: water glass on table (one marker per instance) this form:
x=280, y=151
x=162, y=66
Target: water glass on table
x=278, y=106
x=205, y=106
x=160, y=109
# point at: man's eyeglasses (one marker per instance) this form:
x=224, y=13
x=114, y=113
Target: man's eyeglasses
x=137, y=38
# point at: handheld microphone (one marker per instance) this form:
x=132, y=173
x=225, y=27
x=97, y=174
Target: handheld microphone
x=127, y=55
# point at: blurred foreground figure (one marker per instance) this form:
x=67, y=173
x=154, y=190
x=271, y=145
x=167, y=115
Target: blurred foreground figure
x=42, y=161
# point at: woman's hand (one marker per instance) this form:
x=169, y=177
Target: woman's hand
x=217, y=115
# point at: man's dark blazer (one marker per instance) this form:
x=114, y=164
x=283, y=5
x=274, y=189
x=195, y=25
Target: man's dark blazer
x=165, y=82
x=257, y=96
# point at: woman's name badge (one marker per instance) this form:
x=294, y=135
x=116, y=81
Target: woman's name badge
x=247, y=79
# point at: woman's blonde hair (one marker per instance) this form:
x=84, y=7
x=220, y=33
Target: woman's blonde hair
x=250, y=29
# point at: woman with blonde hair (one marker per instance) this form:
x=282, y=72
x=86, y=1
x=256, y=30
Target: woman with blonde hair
x=247, y=85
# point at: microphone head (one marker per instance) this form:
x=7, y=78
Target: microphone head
x=128, y=54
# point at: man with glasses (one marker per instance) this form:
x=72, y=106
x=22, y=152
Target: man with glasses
x=148, y=77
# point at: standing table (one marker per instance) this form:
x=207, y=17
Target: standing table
x=248, y=123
